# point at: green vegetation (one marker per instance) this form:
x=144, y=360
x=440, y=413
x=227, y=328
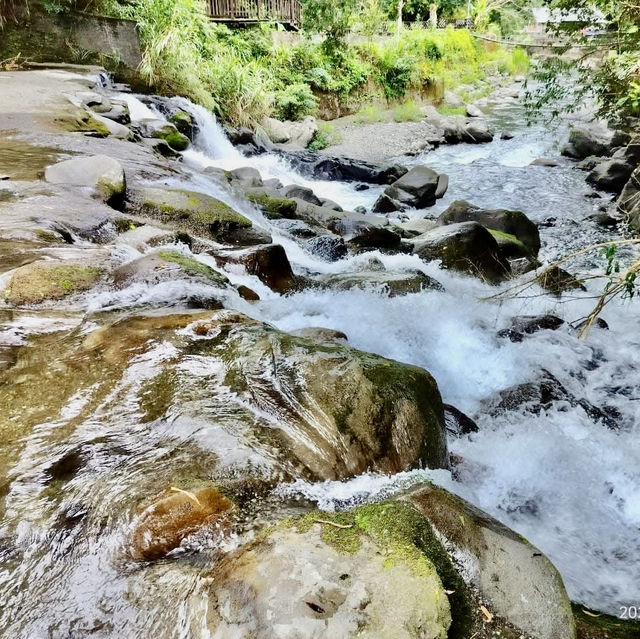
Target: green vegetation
x=274, y=207
x=407, y=112
x=192, y=266
x=449, y=110
x=325, y=136
x=370, y=115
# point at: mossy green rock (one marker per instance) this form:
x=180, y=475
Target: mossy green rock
x=182, y=121
x=368, y=579
x=176, y=140
x=274, y=207
x=392, y=283
x=597, y=625
x=197, y=213
x=49, y=280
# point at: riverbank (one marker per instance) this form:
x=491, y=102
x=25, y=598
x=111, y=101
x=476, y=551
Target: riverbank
x=215, y=334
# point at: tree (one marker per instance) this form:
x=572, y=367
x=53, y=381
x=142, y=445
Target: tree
x=330, y=18
x=609, y=29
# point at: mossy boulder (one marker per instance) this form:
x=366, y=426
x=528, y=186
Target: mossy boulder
x=77, y=120
x=197, y=213
x=597, y=625
x=183, y=122
x=505, y=225
x=174, y=515
x=514, y=579
x=273, y=206
x=359, y=574
x=467, y=247
x=100, y=172
x=557, y=281
x=510, y=245
x=49, y=280
x=163, y=130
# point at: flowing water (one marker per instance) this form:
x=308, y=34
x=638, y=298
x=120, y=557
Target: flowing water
x=567, y=483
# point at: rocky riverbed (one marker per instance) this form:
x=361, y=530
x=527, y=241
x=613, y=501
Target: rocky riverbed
x=250, y=391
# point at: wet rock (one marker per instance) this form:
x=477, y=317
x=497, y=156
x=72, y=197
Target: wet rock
x=100, y=172
x=540, y=395
x=197, y=213
x=327, y=247
x=457, y=423
x=247, y=293
x=302, y=193
x=417, y=188
x=322, y=334
x=629, y=201
x=166, y=266
x=321, y=167
x=443, y=185
x=119, y=113
x=163, y=130
x=611, y=175
x=330, y=204
x=183, y=122
x=364, y=235
x=511, y=223
x=160, y=147
x=268, y=263
x=602, y=218
x=557, y=281
x=515, y=581
x=247, y=176
x=548, y=162
x=272, y=204
x=116, y=130
x=466, y=247
x=595, y=139
x=477, y=132
x=50, y=280
x=295, y=228
x=175, y=515
x=369, y=578
x=417, y=226
x=67, y=466
x=506, y=135
x=386, y=204
x=529, y=324
x=143, y=236
x=392, y=283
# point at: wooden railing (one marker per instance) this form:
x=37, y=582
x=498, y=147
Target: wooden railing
x=284, y=11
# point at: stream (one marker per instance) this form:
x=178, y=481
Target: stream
x=567, y=483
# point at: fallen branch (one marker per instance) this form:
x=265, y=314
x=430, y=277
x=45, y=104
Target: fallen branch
x=333, y=523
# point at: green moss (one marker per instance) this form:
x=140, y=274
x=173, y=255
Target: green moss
x=182, y=121
x=405, y=537
x=449, y=110
x=602, y=626
x=83, y=122
x=196, y=212
x=274, y=207
x=176, y=140
x=48, y=236
x=41, y=281
x=500, y=235
x=193, y=266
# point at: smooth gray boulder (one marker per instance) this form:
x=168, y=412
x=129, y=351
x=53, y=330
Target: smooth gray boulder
x=392, y=283
x=100, y=172
x=473, y=111
x=416, y=188
x=593, y=139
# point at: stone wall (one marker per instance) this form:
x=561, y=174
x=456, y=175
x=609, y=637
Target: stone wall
x=37, y=36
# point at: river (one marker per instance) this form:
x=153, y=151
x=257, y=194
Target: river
x=567, y=483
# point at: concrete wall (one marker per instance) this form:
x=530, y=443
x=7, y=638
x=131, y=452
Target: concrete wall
x=38, y=36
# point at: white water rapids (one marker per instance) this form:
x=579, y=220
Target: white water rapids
x=568, y=484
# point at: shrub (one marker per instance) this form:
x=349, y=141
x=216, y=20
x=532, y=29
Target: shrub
x=295, y=101
x=449, y=110
x=519, y=63
x=407, y=112
x=325, y=136
x=369, y=115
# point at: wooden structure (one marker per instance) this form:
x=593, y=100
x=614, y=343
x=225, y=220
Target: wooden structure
x=286, y=12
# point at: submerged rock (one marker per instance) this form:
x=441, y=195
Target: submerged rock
x=102, y=173
x=557, y=281
x=197, y=213
x=392, y=283
x=175, y=515
x=330, y=248
x=529, y=324
x=466, y=247
x=514, y=223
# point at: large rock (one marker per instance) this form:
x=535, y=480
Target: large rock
x=629, y=201
x=514, y=579
x=102, y=173
x=327, y=247
x=50, y=280
x=364, y=235
x=283, y=404
x=371, y=578
x=611, y=175
x=197, y=213
x=417, y=188
x=595, y=139
x=513, y=223
x=392, y=283
x=321, y=167
x=268, y=263
x=466, y=247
